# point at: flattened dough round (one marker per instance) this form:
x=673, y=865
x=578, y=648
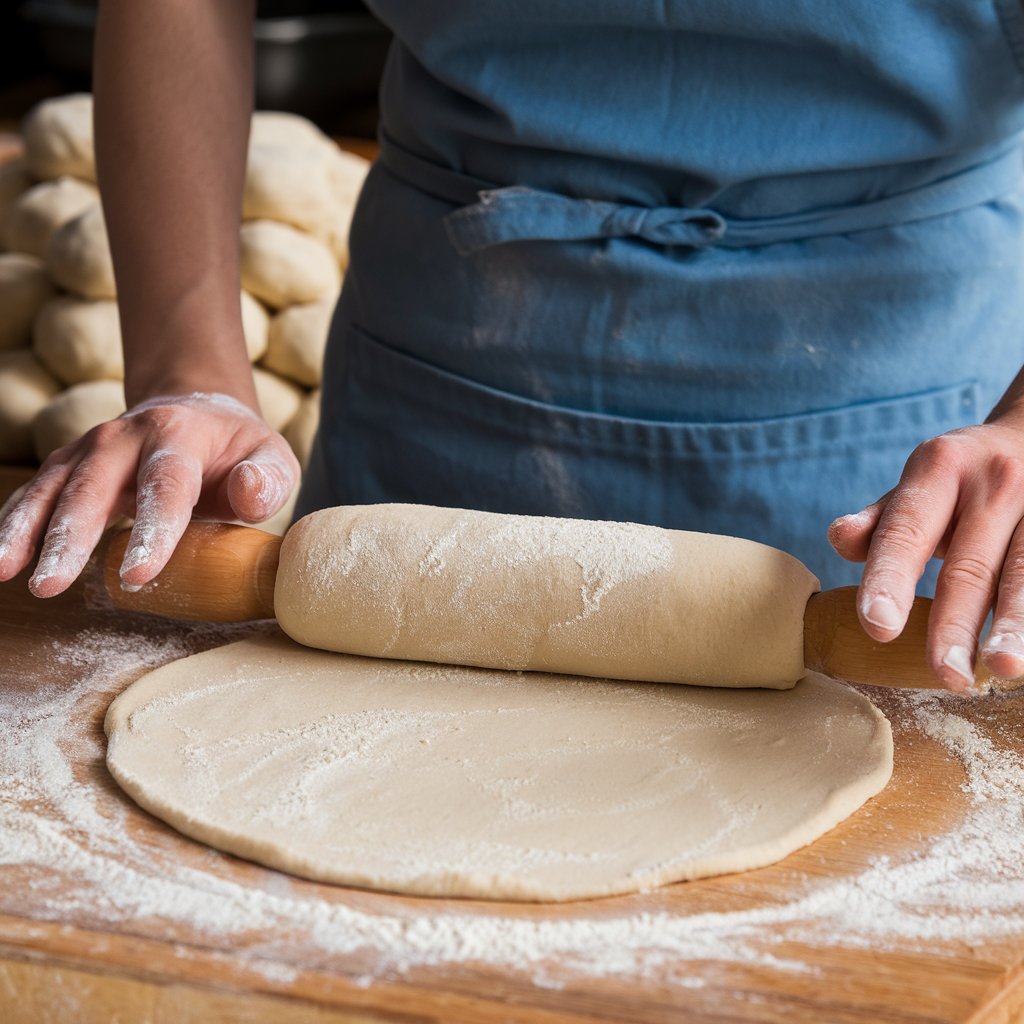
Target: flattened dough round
x=445, y=781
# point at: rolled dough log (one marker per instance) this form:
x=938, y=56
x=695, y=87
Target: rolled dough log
x=24, y=287
x=58, y=138
x=559, y=595
x=80, y=339
x=25, y=388
x=38, y=213
x=75, y=412
x=78, y=256
x=282, y=266
x=444, y=781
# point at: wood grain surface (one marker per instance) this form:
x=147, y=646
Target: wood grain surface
x=89, y=962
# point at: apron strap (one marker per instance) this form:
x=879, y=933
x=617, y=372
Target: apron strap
x=490, y=216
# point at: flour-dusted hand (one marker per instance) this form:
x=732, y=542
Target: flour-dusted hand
x=160, y=462
x=191, y=440
x=961, y=498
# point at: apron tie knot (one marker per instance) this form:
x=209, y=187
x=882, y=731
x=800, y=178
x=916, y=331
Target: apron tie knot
x=520, y=214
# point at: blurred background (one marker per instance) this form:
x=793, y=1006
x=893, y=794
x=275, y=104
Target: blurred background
x=319, y=58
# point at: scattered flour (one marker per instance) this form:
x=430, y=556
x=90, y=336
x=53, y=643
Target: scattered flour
x=72, y=850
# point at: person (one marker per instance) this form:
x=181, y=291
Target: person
x=712, y=265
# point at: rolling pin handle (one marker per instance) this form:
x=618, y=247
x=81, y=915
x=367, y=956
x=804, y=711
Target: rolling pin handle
x=218, y=573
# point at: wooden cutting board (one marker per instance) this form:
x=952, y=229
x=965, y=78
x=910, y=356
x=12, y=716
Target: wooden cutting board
x=83, y=951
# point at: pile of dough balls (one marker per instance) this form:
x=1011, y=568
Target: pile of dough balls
x=61, y=365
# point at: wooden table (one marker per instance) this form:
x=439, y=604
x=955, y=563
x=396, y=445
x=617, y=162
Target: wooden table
x=100, y=960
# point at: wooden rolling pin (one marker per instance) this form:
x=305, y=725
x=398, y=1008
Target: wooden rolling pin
x=226, y=573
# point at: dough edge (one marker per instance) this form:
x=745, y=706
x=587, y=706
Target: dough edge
x=842, y=803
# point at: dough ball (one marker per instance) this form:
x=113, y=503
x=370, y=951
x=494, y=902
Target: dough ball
x=24, y=287
x=337, y=235
x=280, y=128
x=279, y=399
x=15, y=181
x=80, y=339
x=299, y=433
x=309, y=189
x=75, y=412
x=282, y=266
x=25, y=388
x=39, y=212
x=79, y=256
x=298, y=337
x=58, y=138
x=255, y=326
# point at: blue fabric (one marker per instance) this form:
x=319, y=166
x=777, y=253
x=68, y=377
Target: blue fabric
x=714, y=265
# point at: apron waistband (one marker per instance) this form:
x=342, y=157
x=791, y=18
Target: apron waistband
x=490, y=215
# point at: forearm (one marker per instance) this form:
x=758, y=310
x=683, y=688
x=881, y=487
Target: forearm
x=173, y=98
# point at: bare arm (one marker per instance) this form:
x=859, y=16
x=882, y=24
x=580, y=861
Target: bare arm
x=172, y=91
x=173, y=94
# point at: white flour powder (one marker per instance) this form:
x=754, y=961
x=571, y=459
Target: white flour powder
x=73, y=849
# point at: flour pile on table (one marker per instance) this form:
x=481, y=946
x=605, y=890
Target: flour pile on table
x=74, y=850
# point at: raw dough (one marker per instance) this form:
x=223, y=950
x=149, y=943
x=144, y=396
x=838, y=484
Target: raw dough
x=25, y=388
x=58, y=138
x=15, y=181
x=279, y=399
x=75, y=412
x=446, y=781
x=80, y=339
x=38, y=213
x=78, y=256
x=255, y=327
x=297, y=340
x=283, y=266
x=557, y=595
x=302, y=427
x=24, y=287
x=281, y=128
x=307, y=188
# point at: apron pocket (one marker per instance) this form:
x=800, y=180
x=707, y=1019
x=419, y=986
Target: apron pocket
x=399, y=429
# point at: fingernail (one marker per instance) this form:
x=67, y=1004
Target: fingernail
x=959, y=660
x=881, y=611
x=854, y=518
x=997, y=643
x=134, y=557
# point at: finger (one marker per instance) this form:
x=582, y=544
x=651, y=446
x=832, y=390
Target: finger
x=26, y=514
x=912, y=524
x=1003, y=653
x=259, y=485
x=851, y=535
x=169, y=484
x=968, y=581
x=93, y=494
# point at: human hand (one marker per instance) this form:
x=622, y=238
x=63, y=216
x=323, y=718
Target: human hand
x=160, y=461
x=960, y=498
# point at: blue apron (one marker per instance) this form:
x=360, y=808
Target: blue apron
x=717, y=265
